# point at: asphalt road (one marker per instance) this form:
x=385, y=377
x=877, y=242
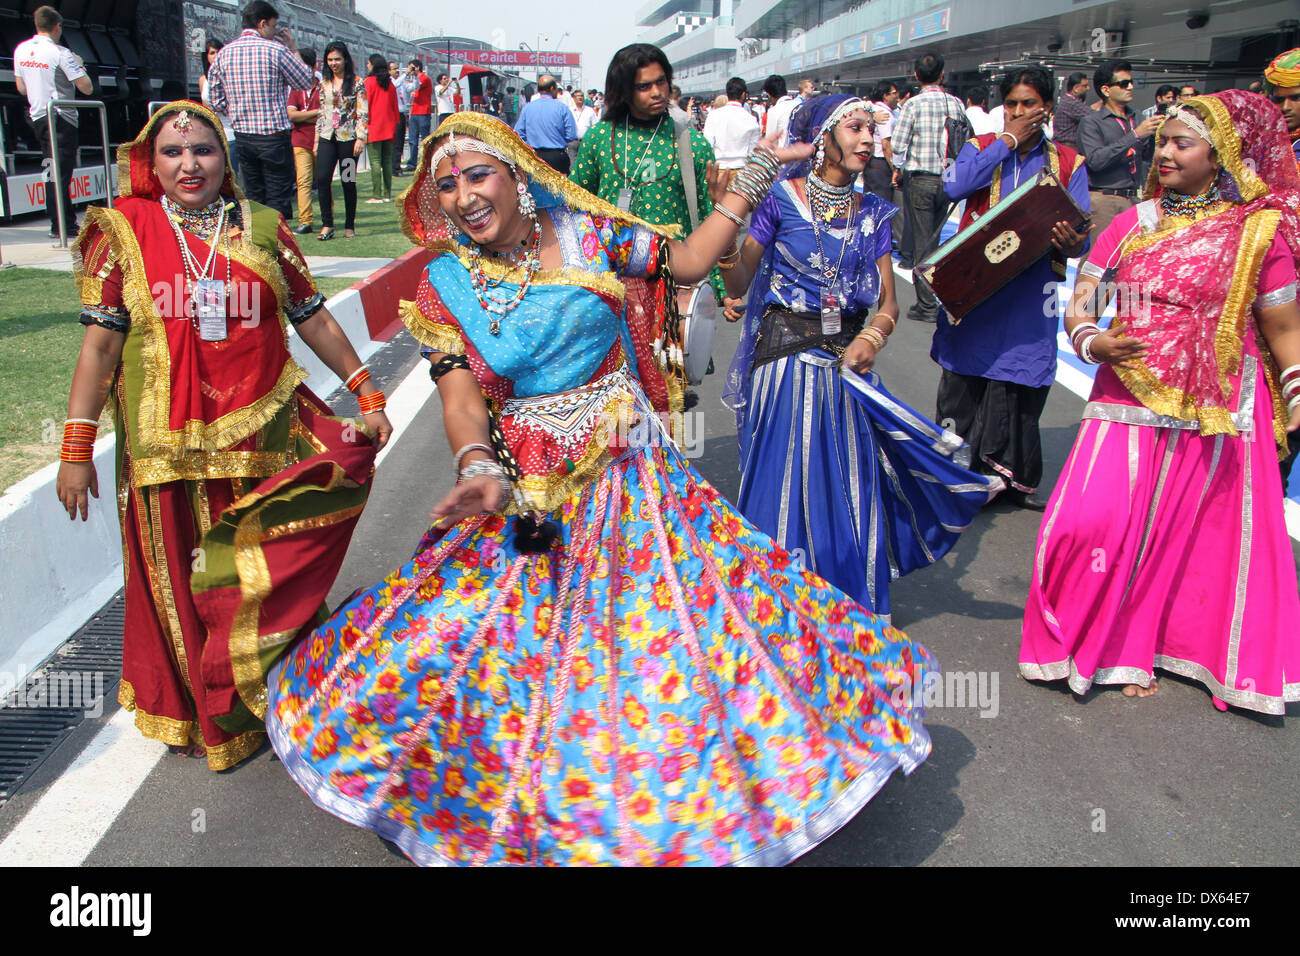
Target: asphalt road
x=1026, y=775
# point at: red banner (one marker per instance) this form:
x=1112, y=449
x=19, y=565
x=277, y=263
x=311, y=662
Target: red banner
x=513, y=57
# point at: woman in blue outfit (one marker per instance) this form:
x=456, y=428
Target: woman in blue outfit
x=833, y=467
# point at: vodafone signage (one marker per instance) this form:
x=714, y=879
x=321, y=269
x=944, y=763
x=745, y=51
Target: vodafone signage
x=27, y=193
x=517, y=57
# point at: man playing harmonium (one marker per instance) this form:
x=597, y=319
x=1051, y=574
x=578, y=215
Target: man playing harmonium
x=1000, y=359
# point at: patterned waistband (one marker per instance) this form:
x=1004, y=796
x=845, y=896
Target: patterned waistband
x=592, y=394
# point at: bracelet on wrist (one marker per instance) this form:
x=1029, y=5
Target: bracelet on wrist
x=357, y=379
x=375, y=401
x=472, y=446
x=727, y=213
x=1084, y=349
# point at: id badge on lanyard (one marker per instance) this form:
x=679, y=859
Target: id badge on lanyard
x=210, y=309
x=831, y=323
x=625, y=199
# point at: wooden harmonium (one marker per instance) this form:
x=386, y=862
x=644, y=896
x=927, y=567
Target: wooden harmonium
x=999, y=245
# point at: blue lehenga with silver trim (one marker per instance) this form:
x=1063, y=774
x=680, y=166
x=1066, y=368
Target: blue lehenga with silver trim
x=836, y=469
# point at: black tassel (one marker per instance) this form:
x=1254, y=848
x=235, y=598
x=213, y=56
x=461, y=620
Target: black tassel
x=534, y=538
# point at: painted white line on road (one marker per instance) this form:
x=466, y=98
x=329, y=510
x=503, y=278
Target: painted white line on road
x=79, y=807
x=406, y=402
x=66, y=823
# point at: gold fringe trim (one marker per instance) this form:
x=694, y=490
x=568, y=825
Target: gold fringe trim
x=546, y=493
x=439, y=336
x=196, y=466
x=255, y=584
x=184, y=733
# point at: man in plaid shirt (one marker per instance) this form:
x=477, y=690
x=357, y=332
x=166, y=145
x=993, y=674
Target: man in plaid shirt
x=250, y=79
x=919, y=144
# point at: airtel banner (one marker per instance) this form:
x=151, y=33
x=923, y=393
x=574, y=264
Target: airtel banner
x=517, y=57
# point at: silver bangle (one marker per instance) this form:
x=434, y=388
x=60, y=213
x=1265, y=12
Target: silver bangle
x=479, y=469
x=740, y=223
x=473, y=446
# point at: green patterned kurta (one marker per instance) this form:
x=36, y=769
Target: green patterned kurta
x=658, y=194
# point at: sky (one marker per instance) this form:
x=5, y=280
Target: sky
x=603, y=27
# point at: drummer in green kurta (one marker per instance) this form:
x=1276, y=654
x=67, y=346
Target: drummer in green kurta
x=630, y=158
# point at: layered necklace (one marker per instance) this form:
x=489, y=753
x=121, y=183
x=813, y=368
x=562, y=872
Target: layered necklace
x=207, y=224
x=826, y=201
x=530, y=259
x=201, y=222
x=1189, y=207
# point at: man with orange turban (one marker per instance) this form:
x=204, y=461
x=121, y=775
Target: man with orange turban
x=1283, y=77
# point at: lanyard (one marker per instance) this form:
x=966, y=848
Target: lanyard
x=644, y=152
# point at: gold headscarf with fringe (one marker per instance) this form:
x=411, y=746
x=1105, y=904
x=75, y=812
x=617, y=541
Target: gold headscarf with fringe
x=420, y=213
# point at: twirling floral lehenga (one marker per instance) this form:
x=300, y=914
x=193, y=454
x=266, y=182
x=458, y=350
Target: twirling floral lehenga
x=662, y=686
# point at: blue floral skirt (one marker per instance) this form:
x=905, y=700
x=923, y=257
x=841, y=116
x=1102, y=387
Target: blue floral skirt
x=663, y=687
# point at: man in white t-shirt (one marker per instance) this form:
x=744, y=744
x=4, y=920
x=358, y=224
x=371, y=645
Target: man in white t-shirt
x=444, y=93
x=730, y=129
x=45, y=71
x=977, y=101
x=584, y=117
x=780, y=104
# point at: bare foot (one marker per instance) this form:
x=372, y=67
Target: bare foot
x=188, y=750
x=1137, y=690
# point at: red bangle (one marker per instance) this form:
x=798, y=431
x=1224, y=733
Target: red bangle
x=373, y=402
x=77, y=451
x=357, y=379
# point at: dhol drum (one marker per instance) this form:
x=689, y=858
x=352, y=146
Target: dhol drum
x=699, y=322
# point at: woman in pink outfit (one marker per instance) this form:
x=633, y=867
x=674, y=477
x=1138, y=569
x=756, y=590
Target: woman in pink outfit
x=1164, y=543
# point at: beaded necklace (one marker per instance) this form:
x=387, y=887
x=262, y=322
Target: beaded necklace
x=201, y=222
x=1189, y=207
x=194, y=273
x=496, y=308
x=827, y=201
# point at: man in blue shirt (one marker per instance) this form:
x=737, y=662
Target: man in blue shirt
x=547, y=126
x=1000, y=361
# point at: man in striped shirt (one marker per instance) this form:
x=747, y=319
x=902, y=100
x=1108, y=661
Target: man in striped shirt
x=250, y=79
x=920, y=143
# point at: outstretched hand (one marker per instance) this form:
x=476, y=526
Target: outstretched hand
x=472, y=497
x=794, y=153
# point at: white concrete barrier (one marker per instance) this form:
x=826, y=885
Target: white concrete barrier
x=57, y=573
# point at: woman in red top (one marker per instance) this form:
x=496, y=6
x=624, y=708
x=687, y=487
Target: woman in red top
x=382, y=96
